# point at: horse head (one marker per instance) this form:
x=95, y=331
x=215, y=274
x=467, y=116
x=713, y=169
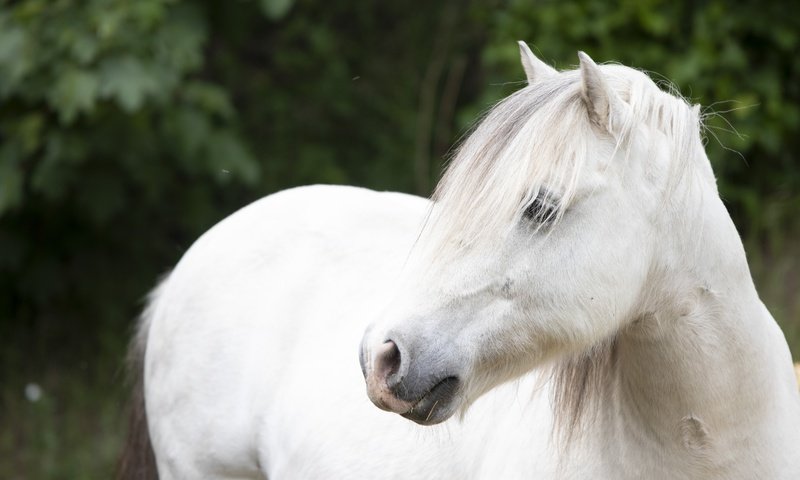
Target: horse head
x=542, y=239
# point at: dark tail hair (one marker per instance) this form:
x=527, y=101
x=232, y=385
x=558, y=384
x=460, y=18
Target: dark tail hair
x=137, y=460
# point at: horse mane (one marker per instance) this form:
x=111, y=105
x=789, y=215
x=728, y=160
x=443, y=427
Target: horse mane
x=539, y=140
x=578, y=382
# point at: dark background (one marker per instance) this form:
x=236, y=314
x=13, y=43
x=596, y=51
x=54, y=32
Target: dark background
x=127, y=128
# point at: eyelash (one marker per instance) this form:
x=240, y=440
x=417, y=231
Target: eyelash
x=541, y=210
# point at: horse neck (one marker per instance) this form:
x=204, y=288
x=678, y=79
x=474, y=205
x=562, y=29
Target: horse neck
x=705, y=370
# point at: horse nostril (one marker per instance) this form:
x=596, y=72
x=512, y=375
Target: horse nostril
x=387, y=360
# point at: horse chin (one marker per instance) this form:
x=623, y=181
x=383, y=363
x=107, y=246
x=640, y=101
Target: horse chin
x=437, y=405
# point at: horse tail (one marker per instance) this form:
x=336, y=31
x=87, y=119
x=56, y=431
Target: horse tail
x=137, y=460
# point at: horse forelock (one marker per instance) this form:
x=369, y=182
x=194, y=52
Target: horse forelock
x=518, y=149
x=539, y=139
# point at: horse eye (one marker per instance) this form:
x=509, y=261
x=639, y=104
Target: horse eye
x=540, y=210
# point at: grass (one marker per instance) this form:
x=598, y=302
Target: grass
x=73, y=431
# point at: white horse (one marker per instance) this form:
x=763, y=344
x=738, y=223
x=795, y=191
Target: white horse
x=575, y=303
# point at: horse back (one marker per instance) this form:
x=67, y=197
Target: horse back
x=253, y=337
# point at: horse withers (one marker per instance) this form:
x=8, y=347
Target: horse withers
x=574, y=302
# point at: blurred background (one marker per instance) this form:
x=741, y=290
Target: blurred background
x=127, y=128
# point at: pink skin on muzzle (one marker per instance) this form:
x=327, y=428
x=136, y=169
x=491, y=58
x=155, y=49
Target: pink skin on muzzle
x=384, y=363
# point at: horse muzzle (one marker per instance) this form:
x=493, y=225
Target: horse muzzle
x=411, y=388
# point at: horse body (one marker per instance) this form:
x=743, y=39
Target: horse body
x=277, y=303
x=284, y=397
x=575, y=303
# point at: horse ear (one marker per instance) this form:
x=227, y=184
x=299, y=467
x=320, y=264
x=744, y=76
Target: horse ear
x=603, y=103
x=535, y=69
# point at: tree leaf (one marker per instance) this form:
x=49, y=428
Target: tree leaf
x=209, y=97
x=276, y=9
x=229, y=157
x=14, y=64
x=127, y=80
x=75, y=91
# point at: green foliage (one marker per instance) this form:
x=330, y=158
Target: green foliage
x=75, y=75
x=104, y=112
x=114, y=148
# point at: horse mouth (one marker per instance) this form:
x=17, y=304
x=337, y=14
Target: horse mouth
x=435, y=406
